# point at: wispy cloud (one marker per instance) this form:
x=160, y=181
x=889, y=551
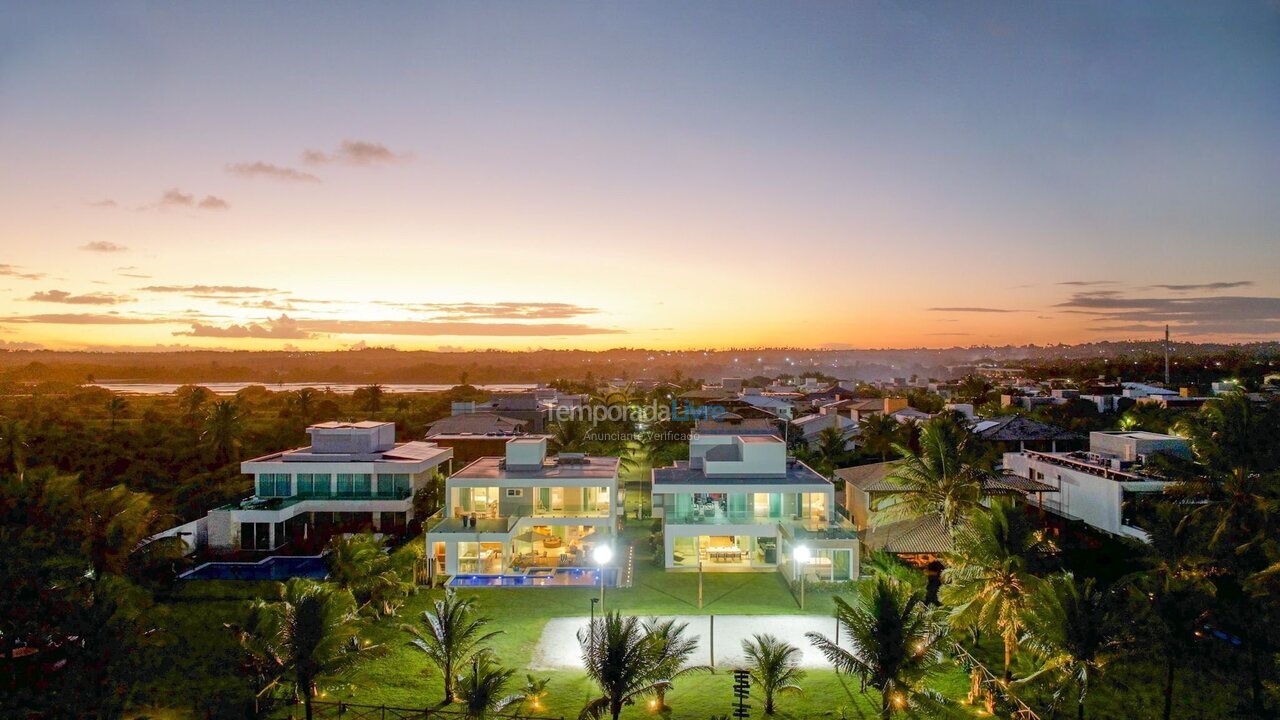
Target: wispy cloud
x=16, y=271
x=209, y=290
x=175, y=198
x=259, y=169
x=103, y=246
x=106, y=203
x=971, y=310
x=1205, y=286
x=355, y=152
x=1234, y=315
x=62, y=296
x=85, y=319
x=1088, y=283
x=281, y=328
x=443, y=327
x=505, y=310
x=19, y=345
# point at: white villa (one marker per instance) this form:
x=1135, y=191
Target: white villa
x=353, y=477
x=1101, y=487
x=740, y=503
x=526, y=510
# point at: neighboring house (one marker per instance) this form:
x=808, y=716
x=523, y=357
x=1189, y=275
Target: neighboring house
x=1020, y=432
x=520, y=406
x=862, y=408
x=740, y=503
x=1105, y=487
x=734, y=424
x=810, y=426
x=477, y=423
x=353, y=477
x=910, y=414
x=469, y=448
x=522, y=509
x=780, y=406
x=869, y=496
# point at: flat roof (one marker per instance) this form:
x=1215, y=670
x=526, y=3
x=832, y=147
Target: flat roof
x=797, y=474
x=410, y=453
x=493, y=468
x=1139, y=434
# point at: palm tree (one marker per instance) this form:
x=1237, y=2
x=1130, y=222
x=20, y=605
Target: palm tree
x=191, y=399
x=373, y=397
x=774, y=665
x=304, y=402
x=352, y=559
x=13, y=437
x=894, y=643
x=311, y=632
x=676, y=650
x=830, y=448
x=943, y=480
x=116, y=408
x=115, y=523
x=974, y=388
x=1067, y=627
x=223, y=430
x=987, y=584
x=624, y=661
x=481, y=691
x=452, y=636
x=1169, y=595
x=1234, y=449
x=879, y=435
x=570, y=436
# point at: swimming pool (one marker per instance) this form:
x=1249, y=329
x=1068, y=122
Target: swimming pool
x=540, y=577
x=272, y=568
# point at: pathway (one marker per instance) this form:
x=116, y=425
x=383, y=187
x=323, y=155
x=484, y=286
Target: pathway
x=558, y=647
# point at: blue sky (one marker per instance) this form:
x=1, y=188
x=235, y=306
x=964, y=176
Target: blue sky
x=630, y=166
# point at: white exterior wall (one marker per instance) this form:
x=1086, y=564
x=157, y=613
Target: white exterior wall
x=1095, y=500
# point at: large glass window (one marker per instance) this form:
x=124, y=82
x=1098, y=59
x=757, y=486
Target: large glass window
x=255, y=536
x=354, y=484
x=393, y=485
x=832, y=564
x=313, y=484
x=273, y=485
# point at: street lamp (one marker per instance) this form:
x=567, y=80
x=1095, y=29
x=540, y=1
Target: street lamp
x=802, y=557
x=602, y=555
x=593, y=623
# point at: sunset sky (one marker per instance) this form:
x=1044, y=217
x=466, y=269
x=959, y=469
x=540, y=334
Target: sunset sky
x=659, y=174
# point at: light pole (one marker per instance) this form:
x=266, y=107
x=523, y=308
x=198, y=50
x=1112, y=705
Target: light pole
x=593, y=623
x=699, y=584
x=801, y=555
x=602, y=555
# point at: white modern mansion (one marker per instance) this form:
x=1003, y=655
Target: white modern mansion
x=353, y=477
x=526, y=510
x=740, y=503
x=1104, y=486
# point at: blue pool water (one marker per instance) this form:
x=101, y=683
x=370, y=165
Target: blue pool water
x=559, y=577
x=272, y=568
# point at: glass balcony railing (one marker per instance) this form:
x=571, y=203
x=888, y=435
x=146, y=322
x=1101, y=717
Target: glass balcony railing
x=720, y=517
x=277, y=503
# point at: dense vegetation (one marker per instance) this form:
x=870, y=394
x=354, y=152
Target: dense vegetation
x=1072, y=621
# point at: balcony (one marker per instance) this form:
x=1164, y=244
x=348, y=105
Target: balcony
x=255, y=502
x=718, y=517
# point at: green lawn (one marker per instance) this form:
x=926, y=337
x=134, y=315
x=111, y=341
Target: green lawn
x=404, y=677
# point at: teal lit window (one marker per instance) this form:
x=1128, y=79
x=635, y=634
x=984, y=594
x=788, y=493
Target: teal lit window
x=354, y=484
x=273, y=485
x=393, y=485
x=313, y=484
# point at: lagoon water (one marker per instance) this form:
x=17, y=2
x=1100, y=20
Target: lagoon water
x=231, y=388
